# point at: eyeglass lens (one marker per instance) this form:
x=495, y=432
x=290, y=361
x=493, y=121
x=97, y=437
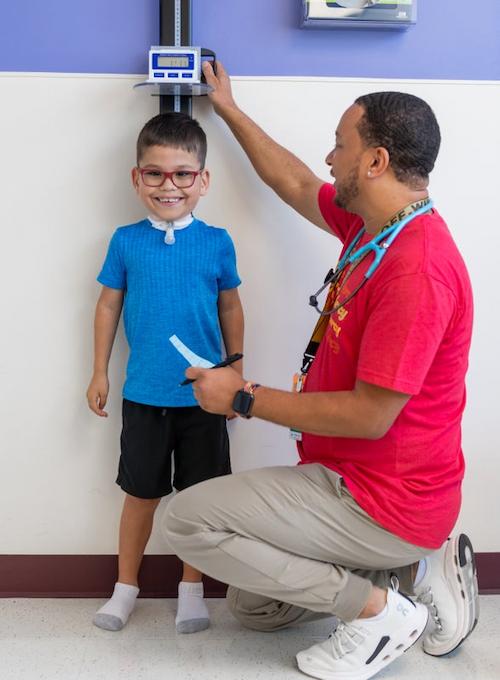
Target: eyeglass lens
x=182, y=179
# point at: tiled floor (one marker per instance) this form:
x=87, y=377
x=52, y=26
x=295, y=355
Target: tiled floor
x=54, y=639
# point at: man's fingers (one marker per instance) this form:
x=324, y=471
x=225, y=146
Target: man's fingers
x=194, y=373
x=221, y=71
x=208, y=72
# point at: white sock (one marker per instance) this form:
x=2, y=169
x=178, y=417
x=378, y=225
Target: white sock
x=422, y=568
x=114, y=614
x=192, y=613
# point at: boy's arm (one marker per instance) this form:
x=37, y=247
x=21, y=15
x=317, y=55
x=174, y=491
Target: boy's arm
x=232, y=324
x=107, y=315
x=287, y=175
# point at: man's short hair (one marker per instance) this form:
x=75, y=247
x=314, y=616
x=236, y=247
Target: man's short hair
x=177, y=130
x=406, y=126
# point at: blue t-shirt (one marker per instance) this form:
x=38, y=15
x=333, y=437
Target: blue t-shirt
x=169, y=289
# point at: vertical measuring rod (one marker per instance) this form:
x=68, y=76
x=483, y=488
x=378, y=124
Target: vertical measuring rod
x=175, y=30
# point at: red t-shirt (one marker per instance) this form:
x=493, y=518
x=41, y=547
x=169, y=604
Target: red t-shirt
x=408, y=330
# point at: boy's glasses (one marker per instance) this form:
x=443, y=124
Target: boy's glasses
x=182, y=179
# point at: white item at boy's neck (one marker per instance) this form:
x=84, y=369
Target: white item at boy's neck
x=169, y=227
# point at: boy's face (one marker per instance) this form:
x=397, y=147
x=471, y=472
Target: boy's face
x=168, y=202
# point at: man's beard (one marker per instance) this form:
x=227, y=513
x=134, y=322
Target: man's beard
x=347, y=191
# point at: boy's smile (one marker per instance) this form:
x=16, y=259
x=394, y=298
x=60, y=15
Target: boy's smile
x=168, y=202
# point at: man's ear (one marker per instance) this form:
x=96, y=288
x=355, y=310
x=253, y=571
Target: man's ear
x=379, y=162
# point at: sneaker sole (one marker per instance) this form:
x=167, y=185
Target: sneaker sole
x=412, y=637
x=461, y=571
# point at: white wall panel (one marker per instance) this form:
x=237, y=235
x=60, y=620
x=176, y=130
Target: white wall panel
x=68, y=146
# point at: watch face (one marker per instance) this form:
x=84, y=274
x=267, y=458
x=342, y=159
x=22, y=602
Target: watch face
x=242, y=403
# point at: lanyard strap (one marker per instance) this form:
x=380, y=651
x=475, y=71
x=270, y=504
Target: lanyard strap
x=379, y=244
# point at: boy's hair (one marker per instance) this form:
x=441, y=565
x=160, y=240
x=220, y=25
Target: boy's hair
x=173, y=129
x=406, y=126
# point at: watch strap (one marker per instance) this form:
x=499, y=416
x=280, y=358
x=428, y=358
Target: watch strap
x=250, y=387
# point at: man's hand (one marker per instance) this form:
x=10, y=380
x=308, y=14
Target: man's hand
x=97, y=394
x=214, y=389
x=222, y=96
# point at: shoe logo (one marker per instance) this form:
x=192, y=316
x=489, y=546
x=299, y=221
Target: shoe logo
x=401, y=608
x=382, y=643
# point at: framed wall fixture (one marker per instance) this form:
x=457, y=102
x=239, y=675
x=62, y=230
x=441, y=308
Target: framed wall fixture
x=394, y=14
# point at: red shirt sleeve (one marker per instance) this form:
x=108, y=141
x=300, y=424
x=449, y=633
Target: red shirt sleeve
x=407, y=320
x=339, y=220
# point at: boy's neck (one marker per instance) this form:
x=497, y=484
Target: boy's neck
x=175, y=224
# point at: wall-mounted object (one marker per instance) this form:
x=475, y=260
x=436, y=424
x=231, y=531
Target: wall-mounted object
x=176, y=70
x=398, y=14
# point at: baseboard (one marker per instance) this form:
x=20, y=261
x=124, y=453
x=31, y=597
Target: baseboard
x=94, y=576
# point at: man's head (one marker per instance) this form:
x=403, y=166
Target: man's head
x=170, y=175
x=406, y=126
x=381, y=132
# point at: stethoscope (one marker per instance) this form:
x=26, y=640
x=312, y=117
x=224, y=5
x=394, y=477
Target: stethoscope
x=379, y=245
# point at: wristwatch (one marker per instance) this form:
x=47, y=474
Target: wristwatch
x=243, y=400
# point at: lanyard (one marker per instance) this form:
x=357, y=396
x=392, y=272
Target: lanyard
x=378, y=245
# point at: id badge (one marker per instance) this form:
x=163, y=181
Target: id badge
x=299, y=380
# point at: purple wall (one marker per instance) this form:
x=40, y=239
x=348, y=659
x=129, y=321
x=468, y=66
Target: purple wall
x=252, y=37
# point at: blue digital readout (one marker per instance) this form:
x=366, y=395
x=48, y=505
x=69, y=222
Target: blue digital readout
x=165, y=61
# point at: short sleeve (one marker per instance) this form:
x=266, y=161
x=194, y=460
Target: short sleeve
x=113, y=273
x=228, y=273
x=407, y=321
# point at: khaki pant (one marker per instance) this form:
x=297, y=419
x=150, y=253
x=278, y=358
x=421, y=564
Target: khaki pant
x=291, y=541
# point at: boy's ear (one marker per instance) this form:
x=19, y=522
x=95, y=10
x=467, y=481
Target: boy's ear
x=205, y=182
x=135, y=178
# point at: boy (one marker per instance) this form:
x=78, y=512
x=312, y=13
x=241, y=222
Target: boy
x=176, y=276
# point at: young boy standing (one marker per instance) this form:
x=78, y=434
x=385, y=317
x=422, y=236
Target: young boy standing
x=175, y=275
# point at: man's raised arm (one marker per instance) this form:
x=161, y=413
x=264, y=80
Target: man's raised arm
x=286, y=174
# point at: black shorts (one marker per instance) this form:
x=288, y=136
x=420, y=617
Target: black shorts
x=150, y=434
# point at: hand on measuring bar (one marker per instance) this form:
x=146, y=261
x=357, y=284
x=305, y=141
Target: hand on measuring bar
x=222, y=95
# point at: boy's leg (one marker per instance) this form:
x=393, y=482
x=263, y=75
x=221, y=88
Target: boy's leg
x=201, y=453
x=135, y=529
x=192, y=613
x=144, y=474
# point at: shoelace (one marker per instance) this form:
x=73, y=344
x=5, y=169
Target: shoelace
x=427, y=597
x=345, y=639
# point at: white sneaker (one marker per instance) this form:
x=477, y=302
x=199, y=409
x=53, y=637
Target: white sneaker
x=360, y=649
x=449, y=589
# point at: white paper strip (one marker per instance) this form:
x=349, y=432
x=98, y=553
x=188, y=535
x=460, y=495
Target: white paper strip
x=192, y=358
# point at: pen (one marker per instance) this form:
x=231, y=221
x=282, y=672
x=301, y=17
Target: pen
x=227, y=362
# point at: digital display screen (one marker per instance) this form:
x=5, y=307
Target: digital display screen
x=173, y=62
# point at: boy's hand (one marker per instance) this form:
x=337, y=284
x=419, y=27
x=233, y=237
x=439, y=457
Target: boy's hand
x=214, y=389
x=97, y=394
x=222, y=96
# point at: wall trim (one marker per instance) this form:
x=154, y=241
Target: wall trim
x=94, y=576
x=272, y=79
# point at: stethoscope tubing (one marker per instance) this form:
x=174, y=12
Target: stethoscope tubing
x=379, y=244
